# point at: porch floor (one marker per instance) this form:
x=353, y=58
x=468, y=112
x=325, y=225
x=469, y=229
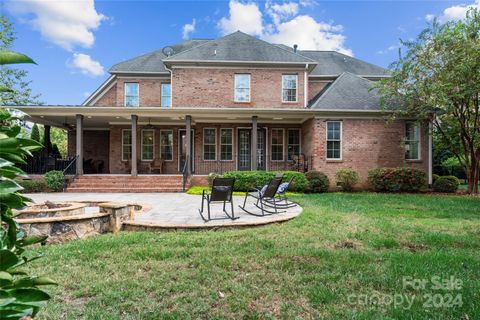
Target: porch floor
x=172, y=210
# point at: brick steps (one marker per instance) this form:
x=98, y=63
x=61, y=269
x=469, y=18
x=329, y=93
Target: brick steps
x=127, y=184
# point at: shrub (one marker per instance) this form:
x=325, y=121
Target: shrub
x=55, y=180
x=397, y=179
x=435, y=178
x=211, y=176
x=446, y=184
x=317, y=181
x=346, y=178
x=32, y=186
x=246, y=180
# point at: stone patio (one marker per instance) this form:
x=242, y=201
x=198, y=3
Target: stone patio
x=172, y=210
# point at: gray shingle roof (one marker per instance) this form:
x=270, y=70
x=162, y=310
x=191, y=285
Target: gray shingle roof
x=239, y=46
x=333, y=63
x=348, y=92
x=152, y=61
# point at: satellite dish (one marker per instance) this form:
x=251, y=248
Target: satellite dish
x=168, y=51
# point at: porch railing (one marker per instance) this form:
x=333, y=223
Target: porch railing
x=39, y=164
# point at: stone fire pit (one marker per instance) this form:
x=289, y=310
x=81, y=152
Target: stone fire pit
x=63, y=221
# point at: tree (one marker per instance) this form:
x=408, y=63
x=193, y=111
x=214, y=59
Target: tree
x=438, y=79
x=35, y=134
x=11, y=77
x=20, y=295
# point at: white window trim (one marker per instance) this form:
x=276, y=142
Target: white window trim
x=153, y=145
x=296, y=90
x=161, y=95
x=160, y=151
x=123, y=146
x=419, y=140
x=203, y=144
x=233, y=144
x=299, y=140
x=235, y=87
x=341, y=141
x=125, y=94
x=283, y=144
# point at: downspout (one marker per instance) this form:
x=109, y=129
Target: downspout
x=305, y=87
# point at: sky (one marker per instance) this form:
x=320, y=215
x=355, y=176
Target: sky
x=75, y=42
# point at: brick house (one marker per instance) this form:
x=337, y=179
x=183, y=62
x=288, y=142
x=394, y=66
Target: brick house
x=237, y=103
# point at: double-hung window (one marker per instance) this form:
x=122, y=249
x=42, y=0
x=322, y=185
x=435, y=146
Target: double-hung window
x=209, y=143
x=277, y=144
x=289, y=87
x=412, y=141
x=166, y=95
x=226, y=144
x=293, y=140
x=166, y=145
x=242, y=88
x=148, y=144
x=132, y=98
x=334, y=140
x=126, y=144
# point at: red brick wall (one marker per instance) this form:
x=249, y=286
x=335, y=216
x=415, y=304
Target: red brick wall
x=95, y=145
x=314, y=87
x=215, y=88
x=366, y=144
x=109, y=99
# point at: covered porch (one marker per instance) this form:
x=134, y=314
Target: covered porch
x=138, y=141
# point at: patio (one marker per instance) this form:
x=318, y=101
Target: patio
x=171, y=210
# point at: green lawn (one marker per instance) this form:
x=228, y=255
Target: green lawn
x=342, y=248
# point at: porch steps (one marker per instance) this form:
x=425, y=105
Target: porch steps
x=127, y=184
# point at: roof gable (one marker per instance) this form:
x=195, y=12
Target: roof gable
x=349, y=92
x=239, y=47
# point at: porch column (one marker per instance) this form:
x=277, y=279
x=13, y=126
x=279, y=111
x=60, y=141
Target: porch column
x=47, y=140
x=254, y=143
x=188, y=136
x=134, y=145
x=79, y=144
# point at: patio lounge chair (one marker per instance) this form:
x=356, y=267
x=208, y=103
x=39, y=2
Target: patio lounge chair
x=222, y=191
x=265, y=198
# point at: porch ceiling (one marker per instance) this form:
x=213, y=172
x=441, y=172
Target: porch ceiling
x=104, y=117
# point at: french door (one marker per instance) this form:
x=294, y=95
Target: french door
x=245, y=149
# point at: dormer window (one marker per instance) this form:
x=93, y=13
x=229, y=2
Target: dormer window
x=132, y=98
x=242, y=88
x=289, y=87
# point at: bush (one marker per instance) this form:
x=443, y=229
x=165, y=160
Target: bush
x=317, y=181
x=32, y=186
x=397, y=179
x=346, y=178
x=246, y=180
x=211, y=176
x=446, y=184
x=435, y=178
x=55, y=180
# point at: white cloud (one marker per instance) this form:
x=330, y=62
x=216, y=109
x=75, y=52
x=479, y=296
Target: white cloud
x=87, y=65
x=86, y=94
x=389, y=49
x=187, y=29
x=243, y=16
x=456, y=12
x=286, y=27
x=64, y=23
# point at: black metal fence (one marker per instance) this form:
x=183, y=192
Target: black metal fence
x=40, y=165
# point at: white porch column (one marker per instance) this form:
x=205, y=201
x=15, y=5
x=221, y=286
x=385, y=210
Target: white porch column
x=79, y=144
x=188, y=136
x=134, y=145
x=254, y=143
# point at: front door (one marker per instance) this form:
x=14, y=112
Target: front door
x=183, y=149
x=244, y=149
x=261, y=149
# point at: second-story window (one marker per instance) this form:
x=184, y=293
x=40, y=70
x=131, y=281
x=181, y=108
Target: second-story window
x=166, y=95
x=289, y=87
x=242, y=88
x=132, y=98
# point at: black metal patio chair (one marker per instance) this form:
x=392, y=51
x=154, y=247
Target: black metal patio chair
x=264, y=196
x=222, y=191
x=281, y=198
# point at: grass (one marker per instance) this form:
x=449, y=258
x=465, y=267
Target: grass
x=341, y=246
